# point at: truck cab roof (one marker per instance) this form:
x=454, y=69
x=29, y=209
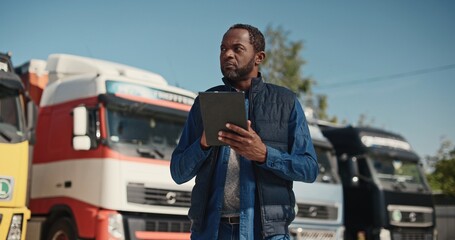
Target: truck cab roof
x=68, y=77
x=361, y=140
x=8, y=79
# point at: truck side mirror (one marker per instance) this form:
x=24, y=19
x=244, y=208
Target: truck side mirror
x=31, y=119
x=81, y=141
x=353, y=168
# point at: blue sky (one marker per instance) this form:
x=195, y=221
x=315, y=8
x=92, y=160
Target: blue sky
x=354, y=49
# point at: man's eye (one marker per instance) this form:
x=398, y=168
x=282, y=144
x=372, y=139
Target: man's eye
x=238, y=49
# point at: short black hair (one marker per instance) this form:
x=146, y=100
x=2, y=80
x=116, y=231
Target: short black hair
x=256, y=36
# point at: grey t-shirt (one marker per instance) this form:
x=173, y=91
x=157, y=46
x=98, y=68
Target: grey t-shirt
x=231, y=202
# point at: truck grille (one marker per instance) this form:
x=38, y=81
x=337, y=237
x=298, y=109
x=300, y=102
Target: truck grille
x=155, y=223
x=410, y=216
x=298, y=234
x=412, y=235
x=167, y=226
x=317, y=211
x=138, y=193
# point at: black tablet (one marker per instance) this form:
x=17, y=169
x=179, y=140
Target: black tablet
x=219, y=108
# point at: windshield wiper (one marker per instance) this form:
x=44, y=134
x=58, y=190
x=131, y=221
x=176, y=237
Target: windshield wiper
x=420, y=189
x=150, y=151
x=399, y=184
x=6, y=135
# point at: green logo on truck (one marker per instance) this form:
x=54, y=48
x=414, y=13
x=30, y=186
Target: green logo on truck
x=6, y=188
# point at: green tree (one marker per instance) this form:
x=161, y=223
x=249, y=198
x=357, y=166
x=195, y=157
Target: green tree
x=443, y=177
x=365, y=121
x=283, y=66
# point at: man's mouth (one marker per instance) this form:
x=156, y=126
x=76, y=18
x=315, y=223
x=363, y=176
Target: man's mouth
x=229, y=65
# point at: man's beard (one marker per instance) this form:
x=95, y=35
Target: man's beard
x=239, y=74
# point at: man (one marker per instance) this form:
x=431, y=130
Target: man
x=244, y=190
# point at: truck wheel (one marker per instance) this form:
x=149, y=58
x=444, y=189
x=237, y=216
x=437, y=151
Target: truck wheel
x=62, y=229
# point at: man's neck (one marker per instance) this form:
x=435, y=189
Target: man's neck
x=243, y=85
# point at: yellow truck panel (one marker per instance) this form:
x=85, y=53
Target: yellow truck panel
x=13, y=188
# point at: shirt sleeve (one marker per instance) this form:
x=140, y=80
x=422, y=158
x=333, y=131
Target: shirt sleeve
x=301, y=163
x=189, y=156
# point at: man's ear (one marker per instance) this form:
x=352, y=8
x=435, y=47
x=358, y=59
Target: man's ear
x=260, y=56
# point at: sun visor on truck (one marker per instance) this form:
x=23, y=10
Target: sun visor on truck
x=11, y=80
x=121, y=104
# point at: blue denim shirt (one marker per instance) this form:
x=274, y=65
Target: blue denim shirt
x=298, y=165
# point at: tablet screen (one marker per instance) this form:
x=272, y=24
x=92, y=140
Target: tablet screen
x=219, y=108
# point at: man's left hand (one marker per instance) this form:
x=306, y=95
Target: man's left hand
x=244, y=142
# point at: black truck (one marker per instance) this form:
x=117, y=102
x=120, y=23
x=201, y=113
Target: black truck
x=386, y=195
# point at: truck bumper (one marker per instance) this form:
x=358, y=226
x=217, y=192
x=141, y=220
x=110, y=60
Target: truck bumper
x=316, y=232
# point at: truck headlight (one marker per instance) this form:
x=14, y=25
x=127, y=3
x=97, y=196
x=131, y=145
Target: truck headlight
x=296, y=233
x=385, y=234
x=115, y=226
x=15, y=229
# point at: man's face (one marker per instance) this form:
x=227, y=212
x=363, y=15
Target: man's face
x=237, y=56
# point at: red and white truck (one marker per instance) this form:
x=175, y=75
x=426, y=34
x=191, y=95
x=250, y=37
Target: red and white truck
x=104, y=135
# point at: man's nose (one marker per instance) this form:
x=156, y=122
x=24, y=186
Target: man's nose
x=228, y=53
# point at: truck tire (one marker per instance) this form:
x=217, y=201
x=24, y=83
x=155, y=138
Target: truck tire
x=62, y=229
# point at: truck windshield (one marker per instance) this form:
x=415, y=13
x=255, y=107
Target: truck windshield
x=11, y=125
x=152, y=134
x=399, y=174
x=325, y=160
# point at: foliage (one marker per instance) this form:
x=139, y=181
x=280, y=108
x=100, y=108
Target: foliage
x=365, y=121
x=443, y=178
x=443, y=164
x=283, y=66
